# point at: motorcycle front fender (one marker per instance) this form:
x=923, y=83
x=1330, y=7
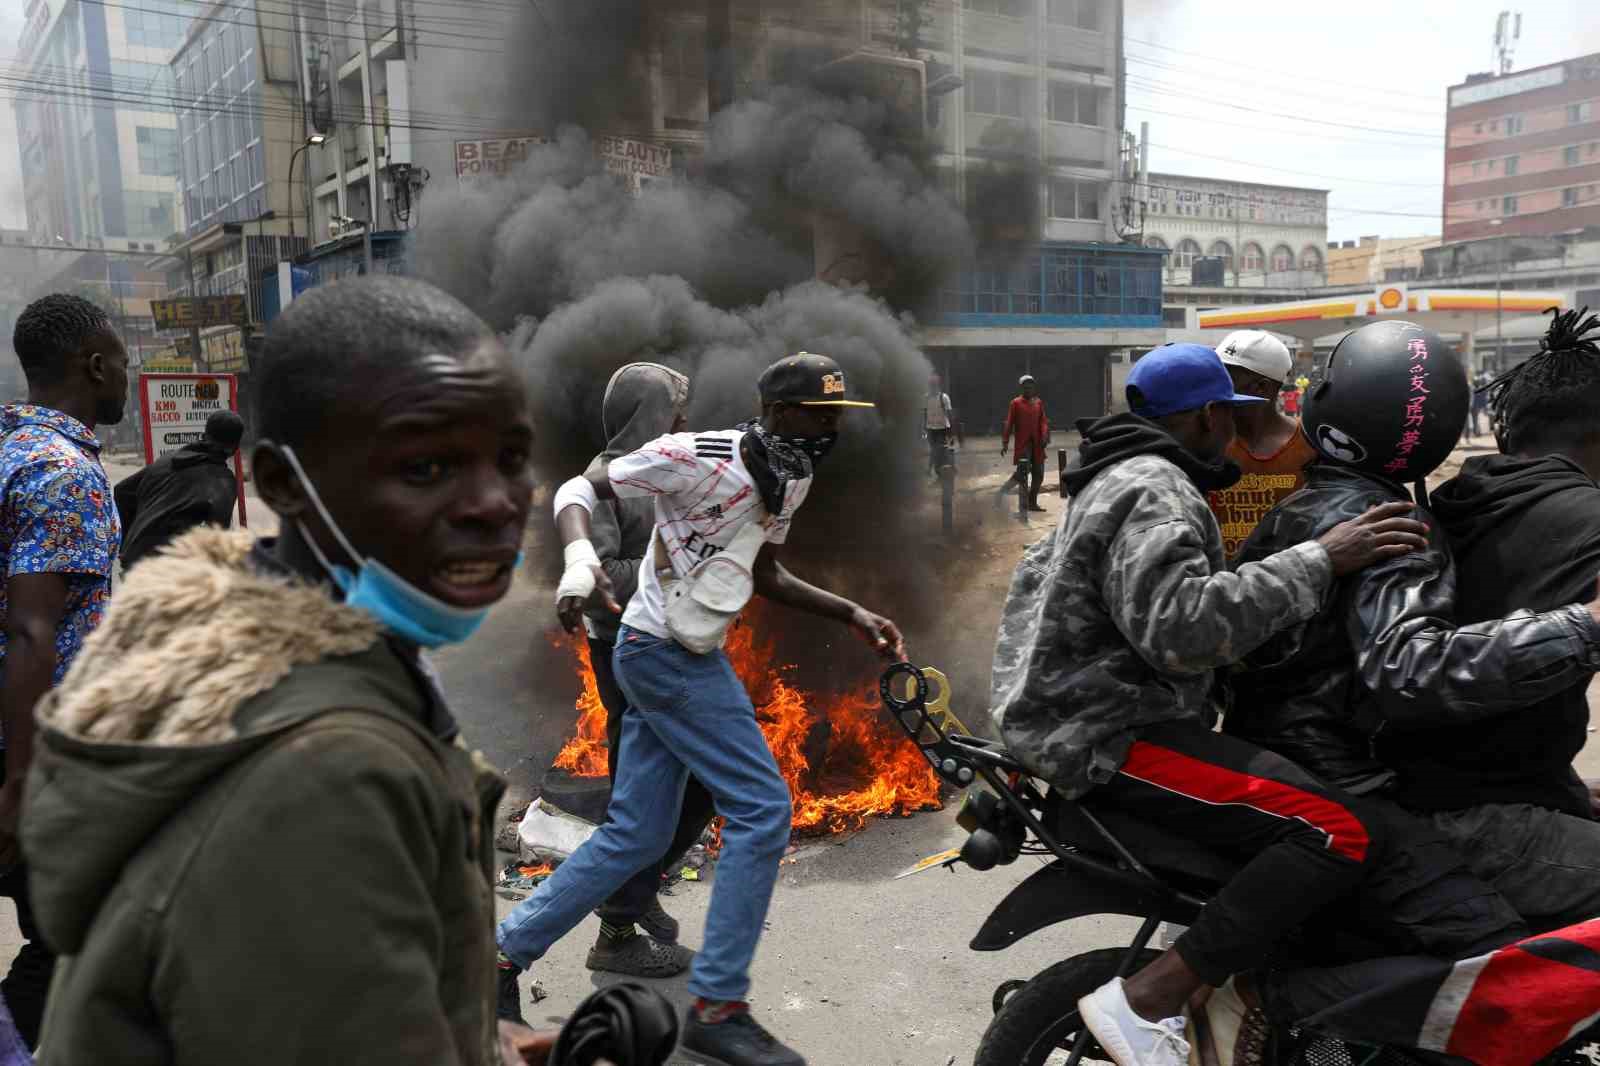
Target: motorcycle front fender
x=1059, y=893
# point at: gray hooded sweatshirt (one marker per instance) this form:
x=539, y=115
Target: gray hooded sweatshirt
x=641, y=403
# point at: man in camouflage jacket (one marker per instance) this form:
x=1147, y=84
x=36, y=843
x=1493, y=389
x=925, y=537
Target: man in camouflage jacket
x=1103, y=674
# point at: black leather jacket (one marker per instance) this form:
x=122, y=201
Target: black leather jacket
x=1382, y=653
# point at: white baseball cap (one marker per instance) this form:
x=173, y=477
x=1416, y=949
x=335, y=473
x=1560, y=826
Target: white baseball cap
x=1257, y=351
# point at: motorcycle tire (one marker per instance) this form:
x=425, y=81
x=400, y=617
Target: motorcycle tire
x=1042, y=1016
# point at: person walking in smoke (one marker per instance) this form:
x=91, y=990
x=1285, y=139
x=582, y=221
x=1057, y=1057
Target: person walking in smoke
x=938, y=422
x=59, y=534
x=724, y=501
x=1026, y=418
x=190, y=487
x=642, y=402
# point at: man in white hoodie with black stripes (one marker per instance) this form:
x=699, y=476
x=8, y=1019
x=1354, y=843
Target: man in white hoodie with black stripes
x=689, y=713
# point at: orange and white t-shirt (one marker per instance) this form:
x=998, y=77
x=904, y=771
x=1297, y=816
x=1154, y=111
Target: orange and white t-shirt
x=1267, y=480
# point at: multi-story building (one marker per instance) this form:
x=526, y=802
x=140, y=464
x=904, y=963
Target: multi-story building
x=1017, y=86
x=1522, y=152
x=95, y=127
x=238, y=128
x=1251, y=235
x=1040, y=84
x=1377, y=259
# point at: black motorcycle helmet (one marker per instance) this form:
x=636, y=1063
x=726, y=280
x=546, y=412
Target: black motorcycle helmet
x=1392, y=402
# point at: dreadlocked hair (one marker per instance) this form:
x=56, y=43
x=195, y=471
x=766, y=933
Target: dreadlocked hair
x=1554, y=397
x=51, y=329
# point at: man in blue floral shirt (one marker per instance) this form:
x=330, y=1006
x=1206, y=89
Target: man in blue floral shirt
x=59, y=538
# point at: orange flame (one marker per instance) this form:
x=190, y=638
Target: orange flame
x=586, y=754
x=869, y=769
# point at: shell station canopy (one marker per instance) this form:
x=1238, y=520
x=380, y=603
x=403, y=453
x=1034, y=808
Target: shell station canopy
x=1462, y=311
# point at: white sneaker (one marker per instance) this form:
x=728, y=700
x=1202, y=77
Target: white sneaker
x=1128, y=1038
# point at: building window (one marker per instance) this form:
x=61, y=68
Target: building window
x=1075, y=103
x=1310, y=259
x=1012, y=8
x=1282, y=258
x=1225, y=251
x=1491, y=165
x=1569, y=197
x=1513, y=125
x=1477, y=127
x=1494, y=126
x=1569, y=155
x=1186, y=253
x=1508, y=205
x=1477, y=169
x=1084, y=14
x=1251, y=258
x=148, y=215
x=1579, y=113
x=158, y=151
x=1512, y=162
x=989, y=92
x=1074, y=199
x=1155, y=242
x=155, y=24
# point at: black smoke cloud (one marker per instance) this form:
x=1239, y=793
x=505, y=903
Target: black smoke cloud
x=713, y=275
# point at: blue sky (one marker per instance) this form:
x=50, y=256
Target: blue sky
x=1347, y=97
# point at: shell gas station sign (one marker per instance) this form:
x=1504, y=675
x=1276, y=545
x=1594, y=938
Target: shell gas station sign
x=1441, y=310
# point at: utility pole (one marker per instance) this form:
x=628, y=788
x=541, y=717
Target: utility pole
x=719, y=55
x=1499, y=262
x=197, y=357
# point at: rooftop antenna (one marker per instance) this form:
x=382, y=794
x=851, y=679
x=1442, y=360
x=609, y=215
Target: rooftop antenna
x=1507, y=32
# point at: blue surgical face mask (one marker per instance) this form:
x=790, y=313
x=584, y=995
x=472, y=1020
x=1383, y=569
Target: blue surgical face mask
x=400, y=606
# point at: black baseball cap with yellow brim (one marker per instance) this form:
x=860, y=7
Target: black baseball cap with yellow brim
x=807, y=379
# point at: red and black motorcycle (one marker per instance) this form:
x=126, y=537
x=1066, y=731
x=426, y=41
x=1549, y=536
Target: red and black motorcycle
x=1104, y=862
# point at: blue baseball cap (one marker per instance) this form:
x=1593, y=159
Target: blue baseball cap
x=1181, y=377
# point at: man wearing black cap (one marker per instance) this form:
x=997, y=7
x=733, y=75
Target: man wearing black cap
x=1103, y=670
x=724, y=500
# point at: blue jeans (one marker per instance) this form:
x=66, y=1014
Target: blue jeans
x=688, y=714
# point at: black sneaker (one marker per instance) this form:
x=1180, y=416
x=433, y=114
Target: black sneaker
x=659, y=924
x=508, y=998
x=738, y=1041
x=638, y=955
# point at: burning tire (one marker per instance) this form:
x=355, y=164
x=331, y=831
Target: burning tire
x=1042, y=1016
x=586, y=797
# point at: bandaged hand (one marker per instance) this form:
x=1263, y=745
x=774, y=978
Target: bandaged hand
x=582, y=579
